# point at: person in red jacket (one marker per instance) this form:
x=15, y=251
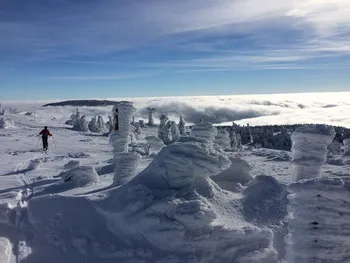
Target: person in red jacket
x=45, y=133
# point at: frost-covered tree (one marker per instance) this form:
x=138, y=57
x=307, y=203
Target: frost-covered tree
x=81, y=125
x=74, y=118
x=175, y=133
x=101, y=124
x=110, y=124
x=182, y=125
x=222, y=139
x=163, y=130
x=233, y=139
x=93, y=125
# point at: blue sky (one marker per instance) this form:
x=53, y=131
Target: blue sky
x=119, y=48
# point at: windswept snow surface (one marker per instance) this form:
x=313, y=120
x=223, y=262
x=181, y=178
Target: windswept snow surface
x=189, y=202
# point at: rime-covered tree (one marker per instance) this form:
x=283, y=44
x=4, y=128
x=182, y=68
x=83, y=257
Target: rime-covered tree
x=163, y=130
x=182, y=125
x=93, y=125
x=175, y=133
x=101, y=124
x=81, y=125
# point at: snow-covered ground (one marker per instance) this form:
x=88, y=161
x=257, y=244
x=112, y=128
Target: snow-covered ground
x=191, y=202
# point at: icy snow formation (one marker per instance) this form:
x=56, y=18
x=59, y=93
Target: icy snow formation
x=2, y=112
x=179, y=211
x=318, y=219
x=204, y=130
x=222, y=139
x=97, y=125
x=309, y=149
x=6, y=123
x=125, y=162
x=80, y=176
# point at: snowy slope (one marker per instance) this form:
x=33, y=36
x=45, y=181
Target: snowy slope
x=190, y=203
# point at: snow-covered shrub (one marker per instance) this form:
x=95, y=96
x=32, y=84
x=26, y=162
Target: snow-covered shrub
x=80, y=176
x=182, y=125
x=6, y=123
x=81, y=125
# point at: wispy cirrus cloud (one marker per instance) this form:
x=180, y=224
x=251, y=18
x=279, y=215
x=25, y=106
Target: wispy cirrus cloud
x=273, y=31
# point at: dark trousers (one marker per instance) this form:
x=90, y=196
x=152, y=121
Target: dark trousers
x=45, y=143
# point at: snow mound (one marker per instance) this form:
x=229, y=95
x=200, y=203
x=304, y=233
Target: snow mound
x=79, y=155
x=171, y=212
x=72, y=164
x=235, y=176
x=80, y=176
x=34, y=164
x=319, y=221
x=265, y=201
x=6, y=123
x=179, y=211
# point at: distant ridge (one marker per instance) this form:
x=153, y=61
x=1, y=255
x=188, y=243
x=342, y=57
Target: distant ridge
x=90, y=103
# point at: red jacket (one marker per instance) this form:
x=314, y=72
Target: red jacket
x=45, y=133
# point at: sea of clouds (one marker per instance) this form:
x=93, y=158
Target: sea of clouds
x=268, y=109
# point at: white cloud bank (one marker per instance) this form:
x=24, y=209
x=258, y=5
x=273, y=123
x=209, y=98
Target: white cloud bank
x=327, y=108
